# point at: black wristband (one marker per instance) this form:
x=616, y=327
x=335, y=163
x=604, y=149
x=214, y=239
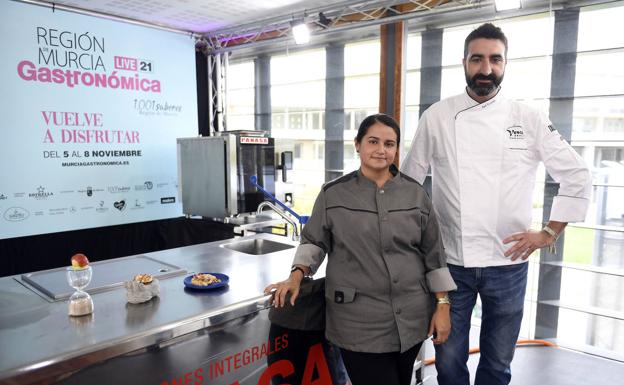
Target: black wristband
x=295, y=268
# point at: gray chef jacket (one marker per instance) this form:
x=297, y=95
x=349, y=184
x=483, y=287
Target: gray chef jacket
x=385, y=258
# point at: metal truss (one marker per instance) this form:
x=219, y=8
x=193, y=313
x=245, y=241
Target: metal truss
x=336, y=17
x=217, y=86
x=340, y=16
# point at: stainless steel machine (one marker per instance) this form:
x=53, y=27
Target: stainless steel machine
x=214, y=172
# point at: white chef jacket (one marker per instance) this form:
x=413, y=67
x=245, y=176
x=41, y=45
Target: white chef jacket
x=484, y=157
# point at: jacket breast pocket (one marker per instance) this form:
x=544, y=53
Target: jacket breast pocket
x=407, y=226
x=519, y=144
x=515, y=151
x=340, y=294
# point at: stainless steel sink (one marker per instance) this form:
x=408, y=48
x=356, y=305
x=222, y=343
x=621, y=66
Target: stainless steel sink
x=257, y=246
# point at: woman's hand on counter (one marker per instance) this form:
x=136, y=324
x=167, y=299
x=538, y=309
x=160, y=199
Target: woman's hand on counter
x=291, y=285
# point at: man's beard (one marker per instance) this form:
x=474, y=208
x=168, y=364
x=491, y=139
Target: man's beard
x=485, y=89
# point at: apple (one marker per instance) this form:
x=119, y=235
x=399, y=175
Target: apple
x=79, y=261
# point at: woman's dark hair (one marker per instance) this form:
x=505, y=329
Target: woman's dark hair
x=384, y=119
x=485, y=31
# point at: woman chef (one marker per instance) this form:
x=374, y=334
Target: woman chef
x=385, y=266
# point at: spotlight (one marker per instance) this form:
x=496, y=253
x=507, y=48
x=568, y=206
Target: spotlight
x=301, y=33
x=201, y=44
x=506, y=5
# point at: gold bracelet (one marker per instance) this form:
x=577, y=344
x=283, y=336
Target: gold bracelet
x=443, y=300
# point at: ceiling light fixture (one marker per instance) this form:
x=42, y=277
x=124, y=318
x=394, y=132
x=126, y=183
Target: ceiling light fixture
x=301, y=33
x=507, y=5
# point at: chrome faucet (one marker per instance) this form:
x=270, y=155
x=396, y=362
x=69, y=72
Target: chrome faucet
x=286, y=217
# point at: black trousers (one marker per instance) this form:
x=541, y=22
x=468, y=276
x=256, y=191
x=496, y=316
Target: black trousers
x=380, y=368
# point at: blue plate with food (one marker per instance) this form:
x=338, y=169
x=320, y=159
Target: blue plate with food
x=206, y=281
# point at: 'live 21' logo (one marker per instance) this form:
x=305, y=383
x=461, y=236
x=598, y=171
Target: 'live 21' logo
x=133, y=64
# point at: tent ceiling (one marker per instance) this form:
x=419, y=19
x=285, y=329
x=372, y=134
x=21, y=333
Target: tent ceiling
x=199, y=16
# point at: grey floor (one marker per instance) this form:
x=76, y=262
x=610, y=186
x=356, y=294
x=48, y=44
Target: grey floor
x=547, y=366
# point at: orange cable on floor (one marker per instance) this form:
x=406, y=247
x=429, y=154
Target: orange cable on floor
x=430, y=361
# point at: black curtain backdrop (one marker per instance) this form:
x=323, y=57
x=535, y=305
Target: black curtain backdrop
x=47, y=251
x=201, y=71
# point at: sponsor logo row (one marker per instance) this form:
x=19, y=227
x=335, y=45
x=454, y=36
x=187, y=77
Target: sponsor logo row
x=18, y=214
x=41, y=193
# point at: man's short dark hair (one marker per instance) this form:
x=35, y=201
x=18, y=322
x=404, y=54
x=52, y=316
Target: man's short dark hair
x=485, y=31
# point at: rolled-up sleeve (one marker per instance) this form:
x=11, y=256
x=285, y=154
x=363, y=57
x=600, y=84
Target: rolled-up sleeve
x=437, y=274
x=568, y=168
x=315, y=237
x=440, y=280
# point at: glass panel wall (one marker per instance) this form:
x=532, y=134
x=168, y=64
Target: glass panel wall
x=240, y=96
x=412, y=90
x=297, y=120
x=591, y=316
x=361, y=93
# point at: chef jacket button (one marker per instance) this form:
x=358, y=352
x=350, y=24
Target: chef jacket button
x=395, y=280
x=381, y=191
x=398, y=311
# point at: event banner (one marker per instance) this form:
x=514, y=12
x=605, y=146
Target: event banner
x=91, y=110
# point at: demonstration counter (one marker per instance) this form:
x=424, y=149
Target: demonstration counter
x=183, y=336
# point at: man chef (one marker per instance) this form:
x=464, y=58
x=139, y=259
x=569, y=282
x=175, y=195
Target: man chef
x=484, y=151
